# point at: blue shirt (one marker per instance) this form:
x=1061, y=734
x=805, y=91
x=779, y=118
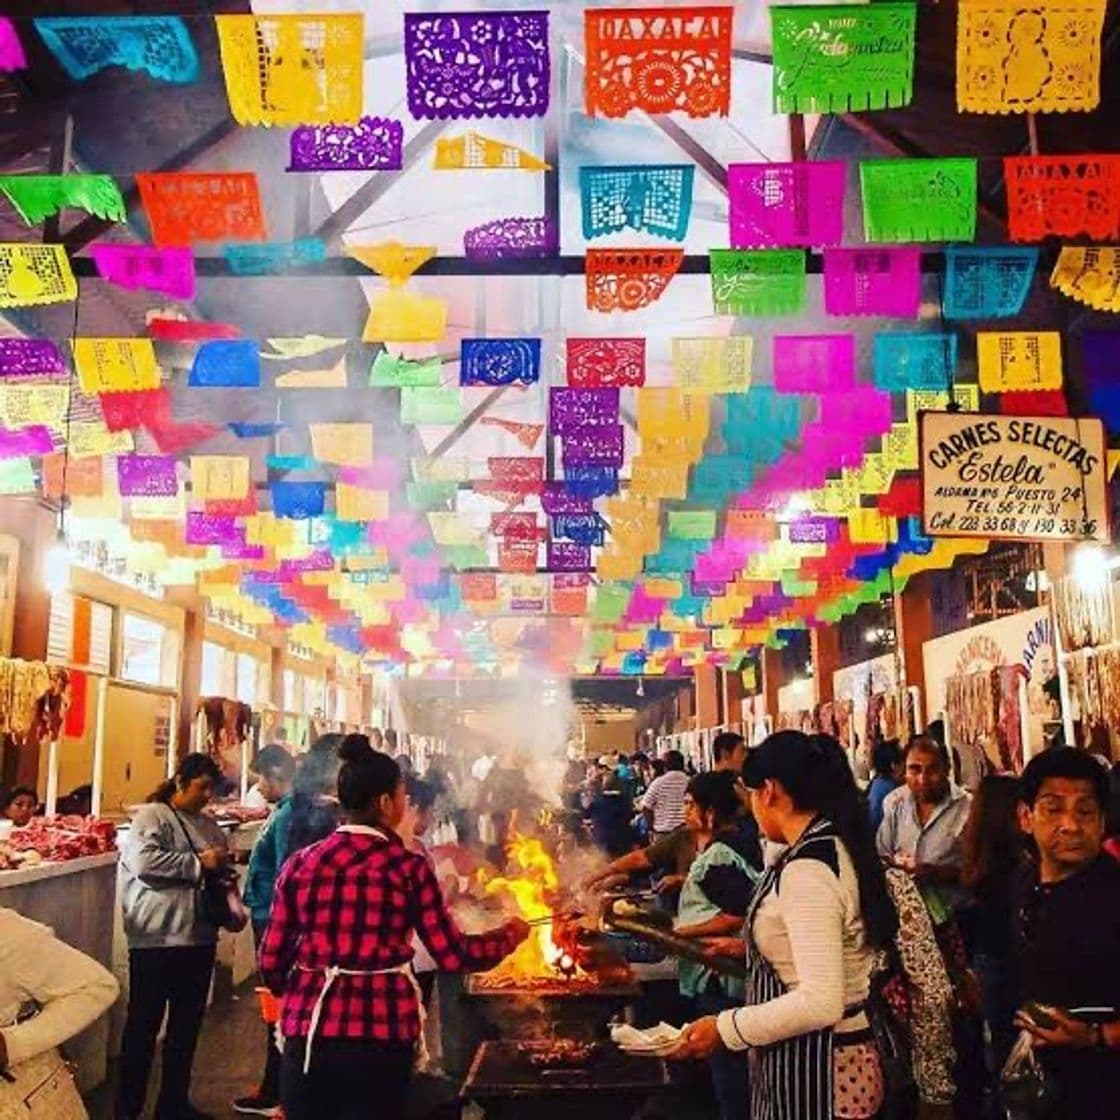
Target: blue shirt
x=268, y=856
x=876, y=795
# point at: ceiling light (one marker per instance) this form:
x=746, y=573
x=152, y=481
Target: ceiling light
x=641, y=687
x=1090, y=566
x=56, y=564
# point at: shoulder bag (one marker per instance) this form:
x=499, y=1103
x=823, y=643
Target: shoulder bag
x=219, y=900
x=42, y=1088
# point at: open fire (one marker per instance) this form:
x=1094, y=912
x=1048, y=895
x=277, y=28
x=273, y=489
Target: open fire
x=539, y=962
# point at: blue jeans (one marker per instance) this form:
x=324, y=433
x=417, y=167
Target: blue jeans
x=728, y=1067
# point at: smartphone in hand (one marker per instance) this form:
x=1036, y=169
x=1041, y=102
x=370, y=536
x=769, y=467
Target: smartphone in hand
x=1041, y=1014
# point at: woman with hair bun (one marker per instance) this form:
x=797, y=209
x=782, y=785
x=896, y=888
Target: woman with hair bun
x=338, y=950
x=812, y=929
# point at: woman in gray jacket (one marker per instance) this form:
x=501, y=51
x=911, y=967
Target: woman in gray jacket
x=171, y=948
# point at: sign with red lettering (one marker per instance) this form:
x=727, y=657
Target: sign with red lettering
x=1040, y=478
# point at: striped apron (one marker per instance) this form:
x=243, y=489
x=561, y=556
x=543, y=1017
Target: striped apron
x=791, y=1079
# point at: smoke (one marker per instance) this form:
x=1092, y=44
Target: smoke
x=530, y=730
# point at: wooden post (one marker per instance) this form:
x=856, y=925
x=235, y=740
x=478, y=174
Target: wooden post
x=52, y=779
x=99, y=746
x=173, y=737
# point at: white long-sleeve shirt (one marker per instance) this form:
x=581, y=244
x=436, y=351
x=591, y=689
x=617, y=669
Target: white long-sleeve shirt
x=811, y=932
x=72, y=989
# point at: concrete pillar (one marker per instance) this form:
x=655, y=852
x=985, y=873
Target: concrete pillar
x=773, y=677
x=824, y=645
x=733, y=693
x=193, y=630
x=708, y=699
x=913, y=626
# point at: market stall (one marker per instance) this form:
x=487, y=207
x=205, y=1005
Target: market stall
x=1088, y=654
x=994, y=685
x=869, y=704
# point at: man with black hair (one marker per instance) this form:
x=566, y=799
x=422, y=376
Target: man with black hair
x=1067, y=932
x=663, y=802
x=923, y=821
x=729, y=752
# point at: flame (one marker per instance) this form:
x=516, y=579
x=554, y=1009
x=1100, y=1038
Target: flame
x=537, y=955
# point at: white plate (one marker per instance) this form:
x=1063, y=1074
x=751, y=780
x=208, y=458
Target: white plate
x=661, y=1051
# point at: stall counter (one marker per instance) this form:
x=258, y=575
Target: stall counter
x=71, y=897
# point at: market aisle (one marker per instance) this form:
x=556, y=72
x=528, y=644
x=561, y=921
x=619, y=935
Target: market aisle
x=228, y=1064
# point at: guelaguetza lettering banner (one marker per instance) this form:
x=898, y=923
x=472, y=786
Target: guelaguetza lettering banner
x=1037, y=478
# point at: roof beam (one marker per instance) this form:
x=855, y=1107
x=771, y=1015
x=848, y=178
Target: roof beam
x=91, y=228
x=376, y=186
x=569, y=264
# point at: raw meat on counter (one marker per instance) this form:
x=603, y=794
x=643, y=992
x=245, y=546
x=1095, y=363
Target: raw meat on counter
x=58, y=839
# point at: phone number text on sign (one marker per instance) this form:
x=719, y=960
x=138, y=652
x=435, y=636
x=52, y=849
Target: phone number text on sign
x=1037, y=478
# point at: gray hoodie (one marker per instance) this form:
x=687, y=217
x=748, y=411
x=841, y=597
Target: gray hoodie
x=160, y=875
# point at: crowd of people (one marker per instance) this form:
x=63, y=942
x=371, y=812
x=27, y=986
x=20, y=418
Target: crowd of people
x=905, y=947
x=952, y=921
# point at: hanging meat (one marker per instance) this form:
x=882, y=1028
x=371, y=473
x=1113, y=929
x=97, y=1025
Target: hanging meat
x=1084, y=613
x=1009, y=724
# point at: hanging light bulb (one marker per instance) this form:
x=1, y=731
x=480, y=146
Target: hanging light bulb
x=56, y=564
x=1090, y=566
x=641, y=687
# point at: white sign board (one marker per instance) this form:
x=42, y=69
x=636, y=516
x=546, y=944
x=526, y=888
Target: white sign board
x=1039, y=478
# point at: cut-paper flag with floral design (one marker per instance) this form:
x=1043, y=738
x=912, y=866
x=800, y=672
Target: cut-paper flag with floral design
x=843, y=58
x=35, y=274
x=108, y=365
x=1089, y=275
x=38, y=197
x=187, y=207
x=786, y=205
x=605, y=362
x=345, y=445
x=402, y=315
x=757, y=282
x=292, y=69
x=914, y=361
x=219, y=477
x=511, y=239
x=1029, y=56
x=873, y=281
x=989, y=282
x=169, y=271
x=653, y=198
x=373, y=144
x=1019, y=360
x=499, y=361
x=11, y=49
x=477, y=64
x=658, y=60
x=262, y=258
x=713, y=365
x=159, y=45
x=474, y=152
x=628, y=279
x=1068, y=196
x=919, y=199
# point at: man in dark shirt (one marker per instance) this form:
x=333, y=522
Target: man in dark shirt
x=1067, y=935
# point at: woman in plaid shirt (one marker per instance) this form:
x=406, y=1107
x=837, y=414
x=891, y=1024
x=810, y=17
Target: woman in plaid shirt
x=338, y=950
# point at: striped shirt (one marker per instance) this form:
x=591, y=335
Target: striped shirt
x=665, y=800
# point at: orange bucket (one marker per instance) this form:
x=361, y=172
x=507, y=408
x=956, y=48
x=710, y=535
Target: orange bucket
x=270, y=1006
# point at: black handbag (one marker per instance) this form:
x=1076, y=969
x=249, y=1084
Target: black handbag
x=219, y=899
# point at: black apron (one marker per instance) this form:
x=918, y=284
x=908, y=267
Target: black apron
x=791, y=1079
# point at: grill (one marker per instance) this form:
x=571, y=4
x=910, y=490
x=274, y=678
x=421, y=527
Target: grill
x=503, y=1079
x=558, y=1010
